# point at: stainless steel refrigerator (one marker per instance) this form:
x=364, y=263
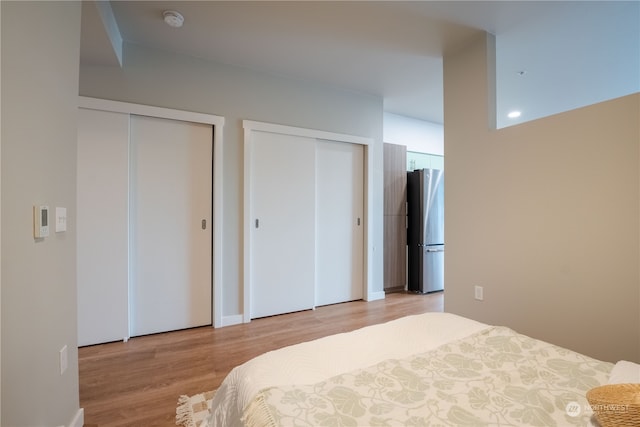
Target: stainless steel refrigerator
x=425, y=231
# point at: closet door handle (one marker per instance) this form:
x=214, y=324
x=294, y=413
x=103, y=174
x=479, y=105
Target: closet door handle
x=204, y=224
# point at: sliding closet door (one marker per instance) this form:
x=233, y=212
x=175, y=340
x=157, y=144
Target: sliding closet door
x=171, y=165
x=340, y=222
x=102, y=226
x=282, y=259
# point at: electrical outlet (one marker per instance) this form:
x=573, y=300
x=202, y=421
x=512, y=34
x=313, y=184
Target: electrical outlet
x=64, y=360
x=479, y=293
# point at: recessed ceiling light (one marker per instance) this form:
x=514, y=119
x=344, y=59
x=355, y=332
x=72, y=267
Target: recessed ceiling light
x=173, y=19
x=514, y=114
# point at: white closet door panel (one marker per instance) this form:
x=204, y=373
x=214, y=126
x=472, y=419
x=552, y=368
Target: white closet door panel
x=340, y=222
x=102, y=226
x=282, y=244
x=171, y=164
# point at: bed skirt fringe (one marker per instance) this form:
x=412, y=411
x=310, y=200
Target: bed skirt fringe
x=184, y=412
x=257, y=414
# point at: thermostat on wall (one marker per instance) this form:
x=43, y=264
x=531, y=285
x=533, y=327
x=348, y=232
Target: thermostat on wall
x=40, y=221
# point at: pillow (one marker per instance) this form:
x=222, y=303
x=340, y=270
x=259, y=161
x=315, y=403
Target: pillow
x=625, y=372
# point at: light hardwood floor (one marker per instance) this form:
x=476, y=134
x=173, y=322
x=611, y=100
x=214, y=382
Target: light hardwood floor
x=138, y=383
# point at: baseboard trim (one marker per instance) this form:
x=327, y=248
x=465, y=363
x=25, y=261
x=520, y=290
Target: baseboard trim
x=395, y=289
x=373, y=296
x=78, y=420
x=236, y=319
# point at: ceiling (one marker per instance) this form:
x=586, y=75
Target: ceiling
x=394, y=49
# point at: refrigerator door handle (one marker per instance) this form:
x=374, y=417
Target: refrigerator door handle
x=434, y=250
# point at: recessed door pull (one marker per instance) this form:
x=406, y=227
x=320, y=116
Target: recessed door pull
x=204, y=224
x=257, y=223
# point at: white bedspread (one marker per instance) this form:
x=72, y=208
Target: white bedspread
x=495, y=377
x=314, y=361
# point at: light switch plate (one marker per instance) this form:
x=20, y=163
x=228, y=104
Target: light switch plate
x=61, y=219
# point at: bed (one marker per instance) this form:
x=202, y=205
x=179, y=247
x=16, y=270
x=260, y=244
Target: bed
x=427, y=369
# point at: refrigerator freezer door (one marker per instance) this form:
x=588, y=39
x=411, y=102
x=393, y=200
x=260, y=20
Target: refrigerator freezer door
x=433, y=279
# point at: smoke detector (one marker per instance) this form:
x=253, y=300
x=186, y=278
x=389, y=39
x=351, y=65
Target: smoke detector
x=173, y=19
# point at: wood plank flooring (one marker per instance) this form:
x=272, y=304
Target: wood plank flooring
x=138, y=383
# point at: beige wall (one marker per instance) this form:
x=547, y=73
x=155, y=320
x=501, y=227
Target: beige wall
x=39, y=97
x=543, y=215
x=181, y=82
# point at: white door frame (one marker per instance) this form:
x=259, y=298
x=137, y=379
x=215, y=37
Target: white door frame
x=249, y=127
x=218, y=124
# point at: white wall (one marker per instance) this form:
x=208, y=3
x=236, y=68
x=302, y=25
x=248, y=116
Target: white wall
x=181, y=82
x=610, y=53
x=417, y=135
x=39, y=95
x=544, y=215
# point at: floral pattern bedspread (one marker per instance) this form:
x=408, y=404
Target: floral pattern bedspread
x=495, y=377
